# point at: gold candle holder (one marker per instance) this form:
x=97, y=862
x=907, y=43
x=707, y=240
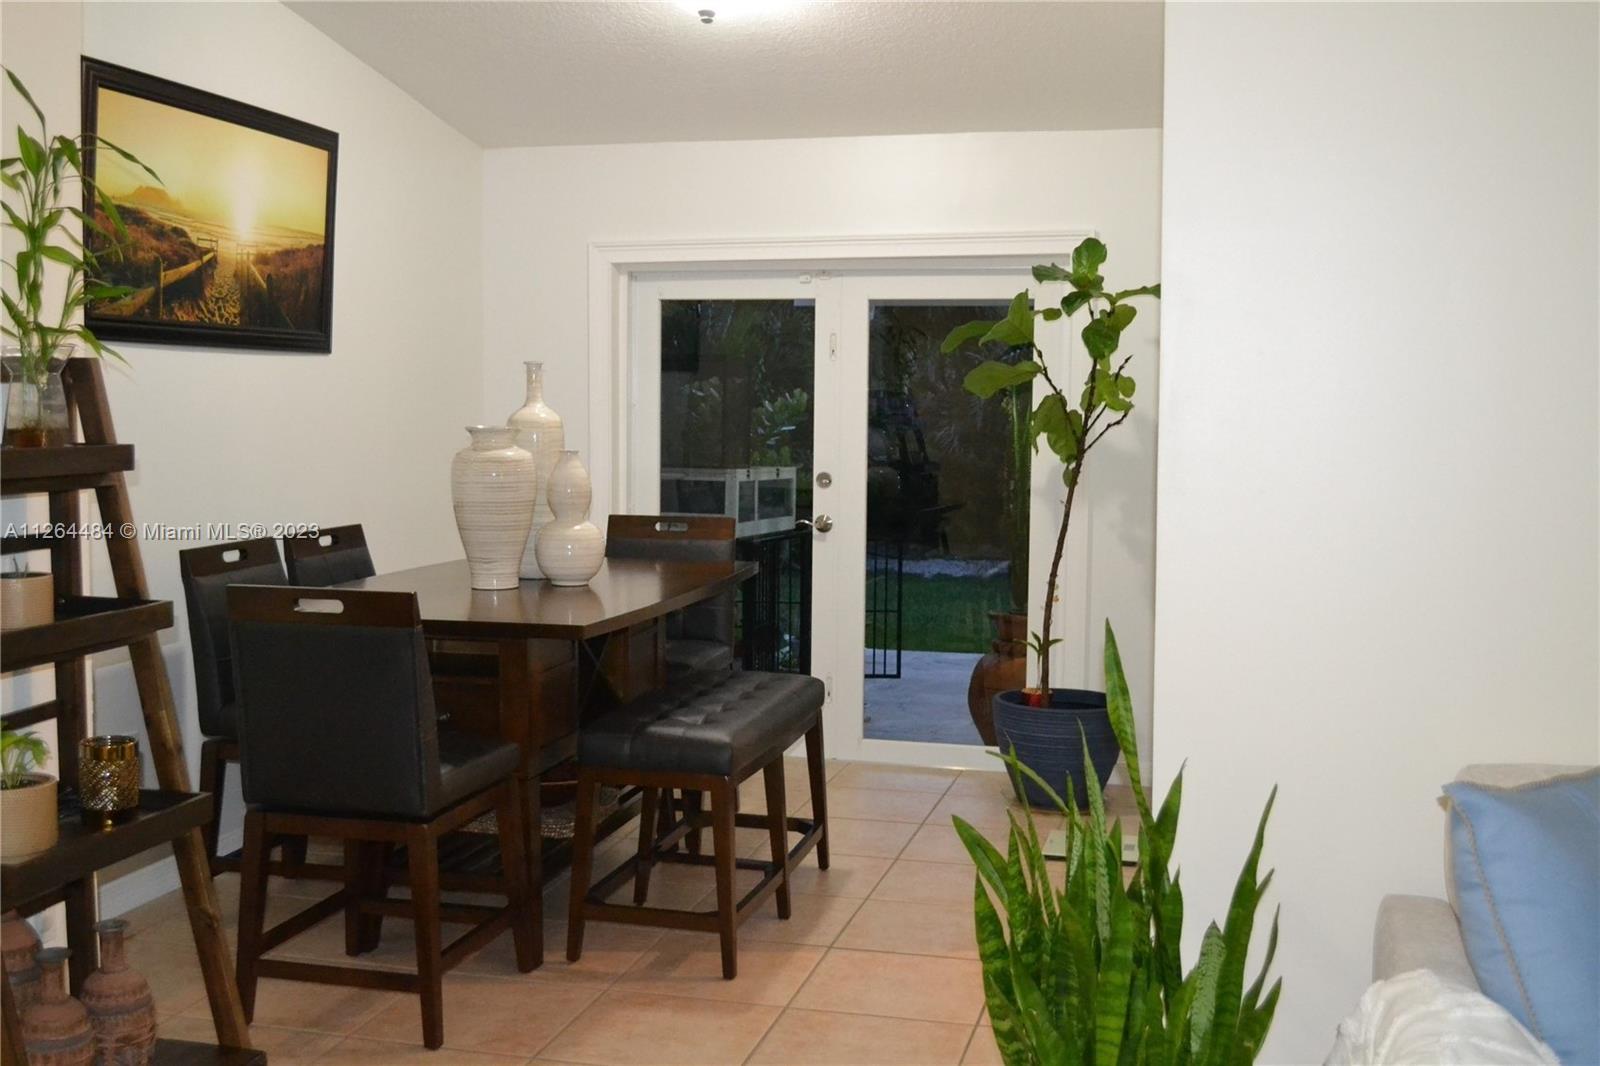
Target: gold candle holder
x=109, y=775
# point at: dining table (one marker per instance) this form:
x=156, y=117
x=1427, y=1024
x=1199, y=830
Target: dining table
x=529, y=664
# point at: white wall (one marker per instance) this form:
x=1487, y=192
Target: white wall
x=362, y=435
x=1378, y=483
x=543, y=207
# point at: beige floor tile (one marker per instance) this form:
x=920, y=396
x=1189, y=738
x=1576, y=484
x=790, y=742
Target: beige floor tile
x=359, y=1051
x=630, y=1028
x=489, y=1014
x=846, y=875
x=899, y=778
x=316, y=1007
x=879, y=804
x=859, y=836
x=677, y=886
x=926, y=882
x=912, y=928
x=814, y=1037
x=981, y=1051
x=284, y=1047
x=165, y=954
x=894, y=986
x=936, y=842
x=989, y=813
x=609, y=949
x=812, y=920
x=690, y=964
x=994, y=782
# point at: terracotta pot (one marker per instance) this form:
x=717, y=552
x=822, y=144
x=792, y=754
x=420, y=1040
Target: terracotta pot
x=29, y=820
x=492, y=485
x=571, y=548
x=1003, y=668
x=120, y=1006
x=56, y=1029
x=539, y=433
x=26, y=599
x=19, y=947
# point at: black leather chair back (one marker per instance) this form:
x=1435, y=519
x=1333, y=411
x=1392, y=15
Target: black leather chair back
x=332, y=557
x=207, y=572
x=335, y=700
x=687, y=538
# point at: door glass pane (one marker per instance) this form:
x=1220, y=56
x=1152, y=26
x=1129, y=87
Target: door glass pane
x=736, y=440
x=947, y=522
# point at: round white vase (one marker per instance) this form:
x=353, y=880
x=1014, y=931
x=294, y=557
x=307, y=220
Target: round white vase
x=539, y=433
x=492, y=485
x=570, y=547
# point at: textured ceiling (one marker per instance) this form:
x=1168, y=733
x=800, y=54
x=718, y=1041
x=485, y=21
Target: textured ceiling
x=551, y=72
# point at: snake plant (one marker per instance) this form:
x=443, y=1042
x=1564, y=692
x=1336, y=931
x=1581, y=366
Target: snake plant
x=1090, y=972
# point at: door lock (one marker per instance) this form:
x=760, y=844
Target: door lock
x=822, y=523
x=824, y=479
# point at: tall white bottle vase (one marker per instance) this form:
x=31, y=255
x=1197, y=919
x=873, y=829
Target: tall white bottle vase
x=570, y=548
x=492, y=485
x=539, y=433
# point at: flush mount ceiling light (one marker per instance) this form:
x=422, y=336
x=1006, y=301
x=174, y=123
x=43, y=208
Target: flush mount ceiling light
x=708, y=11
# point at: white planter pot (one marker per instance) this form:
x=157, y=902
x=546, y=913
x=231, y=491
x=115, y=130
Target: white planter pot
x=29, y=822
x=539, y=433
x=492, y=484
x=570, y=548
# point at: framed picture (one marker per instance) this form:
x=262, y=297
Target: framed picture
x=233, y=245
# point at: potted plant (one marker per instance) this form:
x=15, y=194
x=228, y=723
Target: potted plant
x=1045, y=725
x=27, y=598
x=1091, y=971
x=28, y=819
x=37, y=179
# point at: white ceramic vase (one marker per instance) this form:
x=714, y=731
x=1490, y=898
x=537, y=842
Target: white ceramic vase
x=570, y=547
x=539, y=433
x=492, y=484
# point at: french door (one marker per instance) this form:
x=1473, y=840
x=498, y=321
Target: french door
x=888, y=507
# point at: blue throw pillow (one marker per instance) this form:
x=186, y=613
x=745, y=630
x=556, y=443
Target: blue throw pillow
x=1527, y=873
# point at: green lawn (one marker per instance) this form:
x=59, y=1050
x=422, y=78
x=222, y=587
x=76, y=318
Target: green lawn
x=950, y=613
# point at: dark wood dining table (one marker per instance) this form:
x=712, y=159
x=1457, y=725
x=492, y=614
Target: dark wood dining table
x=527, y=664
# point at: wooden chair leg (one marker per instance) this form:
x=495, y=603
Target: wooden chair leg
x=423, y=851
x=582, y=861
x=722, y=847
x=294, y=852
x=692, y=804
x=366, y=878
x=252, y=908
x=354, y=873
x=776, y=814
x=526, y=904
x=819, y=788
x=649, y=800
x=666, y=812
x=213, y=772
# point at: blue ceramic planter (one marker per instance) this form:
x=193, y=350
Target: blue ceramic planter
x=1049, y=740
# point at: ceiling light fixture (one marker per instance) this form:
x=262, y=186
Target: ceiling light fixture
x=738, y=10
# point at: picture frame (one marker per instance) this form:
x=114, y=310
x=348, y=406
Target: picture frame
x=233, y=248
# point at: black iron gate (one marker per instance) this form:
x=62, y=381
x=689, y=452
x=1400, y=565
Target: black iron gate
x=775, y=606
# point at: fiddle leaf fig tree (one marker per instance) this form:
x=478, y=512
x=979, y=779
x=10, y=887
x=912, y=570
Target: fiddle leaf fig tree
x=1070, y=425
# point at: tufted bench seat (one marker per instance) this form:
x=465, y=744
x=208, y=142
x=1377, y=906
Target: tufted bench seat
x=705, y=735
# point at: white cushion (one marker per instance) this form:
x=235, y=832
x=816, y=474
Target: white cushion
x=1419, y=1017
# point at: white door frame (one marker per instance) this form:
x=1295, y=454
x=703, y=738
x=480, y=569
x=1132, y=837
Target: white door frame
x=612, y=267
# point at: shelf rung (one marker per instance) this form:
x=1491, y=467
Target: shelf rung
x=23, y=717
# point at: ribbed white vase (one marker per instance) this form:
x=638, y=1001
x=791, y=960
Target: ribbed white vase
x=539, y=433
x=570, y=547
x=492, y=484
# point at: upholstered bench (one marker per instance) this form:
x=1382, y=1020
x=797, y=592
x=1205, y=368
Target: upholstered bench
x=706, y=734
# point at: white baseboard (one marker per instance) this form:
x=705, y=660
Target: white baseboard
x=152, y=882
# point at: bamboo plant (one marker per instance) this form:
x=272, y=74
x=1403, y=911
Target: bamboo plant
x=1089, y=973
x=39, y=179
x=1071, y=427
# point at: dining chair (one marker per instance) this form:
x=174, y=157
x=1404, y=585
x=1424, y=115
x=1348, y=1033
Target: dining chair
x=699, y=637
x=329, y=556
x=206, y=574
x=340, y=739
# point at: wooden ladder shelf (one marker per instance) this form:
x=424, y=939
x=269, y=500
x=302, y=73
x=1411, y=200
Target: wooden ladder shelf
x=84, y=625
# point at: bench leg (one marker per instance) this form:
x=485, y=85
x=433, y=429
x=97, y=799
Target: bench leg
x=722, y=845
x=819, y=788
x=582, y=861
x=776, y=816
